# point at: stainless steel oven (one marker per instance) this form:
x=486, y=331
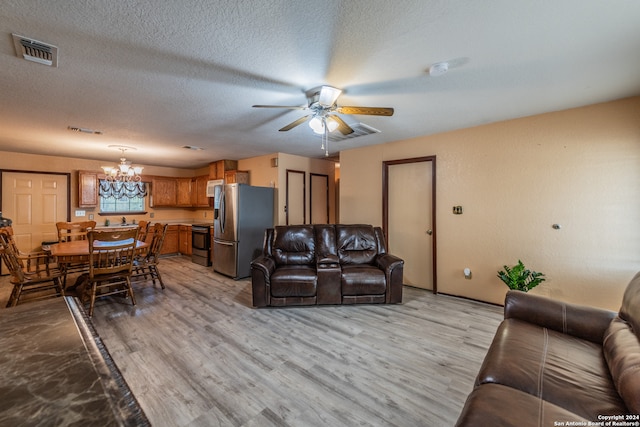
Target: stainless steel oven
x=201, y=244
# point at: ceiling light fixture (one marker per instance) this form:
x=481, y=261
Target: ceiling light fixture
x=318, y=124
x=438, y=69
x=123, y=179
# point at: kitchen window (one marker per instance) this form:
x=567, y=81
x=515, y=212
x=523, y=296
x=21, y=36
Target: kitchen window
x=122, y=205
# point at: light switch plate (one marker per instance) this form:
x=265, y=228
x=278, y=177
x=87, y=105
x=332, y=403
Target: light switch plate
x=81, y=213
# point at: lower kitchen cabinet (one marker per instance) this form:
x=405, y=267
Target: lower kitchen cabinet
x=185, y=240
x=171, y=243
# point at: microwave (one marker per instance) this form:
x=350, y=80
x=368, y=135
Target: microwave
x=211, y=186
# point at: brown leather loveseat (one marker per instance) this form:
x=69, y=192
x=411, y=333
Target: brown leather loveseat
x=325, y=264
x=558, y=364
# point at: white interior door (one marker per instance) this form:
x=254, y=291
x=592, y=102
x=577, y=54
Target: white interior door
x=319, y=198
x=295, y=204
x=34, y=202
x=410, y=223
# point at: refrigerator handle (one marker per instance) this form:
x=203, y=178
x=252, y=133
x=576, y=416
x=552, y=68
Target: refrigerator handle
x=222, y=210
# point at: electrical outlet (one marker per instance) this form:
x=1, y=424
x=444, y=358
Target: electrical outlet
x=151, y=215
x=90, y=217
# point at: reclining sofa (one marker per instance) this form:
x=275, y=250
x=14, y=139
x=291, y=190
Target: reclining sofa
x=558, y=364
x=325, y=264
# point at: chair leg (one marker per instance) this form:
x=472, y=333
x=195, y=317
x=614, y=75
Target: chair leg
x=130, y=291
x=155, y=273
x=13, y=298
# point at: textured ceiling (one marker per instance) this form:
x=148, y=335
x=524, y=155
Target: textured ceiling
x=158, y=75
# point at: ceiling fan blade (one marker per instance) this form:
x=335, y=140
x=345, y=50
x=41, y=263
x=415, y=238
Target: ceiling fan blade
x=370, y=111
x=289, y=107
x=344, y=128
x=296, y=123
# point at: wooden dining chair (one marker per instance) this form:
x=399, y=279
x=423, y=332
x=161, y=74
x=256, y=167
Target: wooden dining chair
x=31, y=273
x=111, y=255
x=146, y=265
x=69, y=231
x=143, y=226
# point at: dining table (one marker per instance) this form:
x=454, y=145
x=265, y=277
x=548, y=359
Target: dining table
x=77, y=252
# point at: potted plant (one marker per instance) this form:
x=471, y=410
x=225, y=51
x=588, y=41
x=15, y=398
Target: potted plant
x=520, y=278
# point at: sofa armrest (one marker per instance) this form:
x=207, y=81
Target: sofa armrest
x=329, y=280
x=580, y=321
x=393, y=268
x=328, y=259
x=261, y=270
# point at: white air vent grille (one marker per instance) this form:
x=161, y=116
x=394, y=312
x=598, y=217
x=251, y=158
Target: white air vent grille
x=36, y=51
x=359, y=129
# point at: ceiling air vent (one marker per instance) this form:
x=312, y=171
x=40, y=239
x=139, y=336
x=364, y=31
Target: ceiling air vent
x=36, y=51
x=359, y=129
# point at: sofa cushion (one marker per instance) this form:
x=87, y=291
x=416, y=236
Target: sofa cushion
x=564, y=370
x=294, y=281
x=497, y=405
x=356, y=244
x=363, y=279
x=294, y=244
x=621, y=349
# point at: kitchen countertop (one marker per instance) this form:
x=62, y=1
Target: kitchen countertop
x=131, y=225
x=54, y=370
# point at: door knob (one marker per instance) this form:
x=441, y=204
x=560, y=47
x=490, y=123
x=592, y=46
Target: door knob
x=429, y=232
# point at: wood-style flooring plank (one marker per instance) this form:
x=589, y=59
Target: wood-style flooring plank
x=197, y=354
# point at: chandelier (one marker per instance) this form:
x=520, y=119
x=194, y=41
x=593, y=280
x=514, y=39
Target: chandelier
x=123, y=179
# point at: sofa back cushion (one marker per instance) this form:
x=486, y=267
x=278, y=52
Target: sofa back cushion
x=621, y=347
x=630, y=309
x=294, y=245
x=356, y=244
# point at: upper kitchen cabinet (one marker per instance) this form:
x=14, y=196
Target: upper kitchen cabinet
x=88, y=189
x=164, y=192
x=184, y=197
x=236, y=177
x=218, y=169
x=199, y=196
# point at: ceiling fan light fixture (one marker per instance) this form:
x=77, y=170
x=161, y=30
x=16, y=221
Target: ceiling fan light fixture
x=328, y=96
x=438, y=69
x=318, y=123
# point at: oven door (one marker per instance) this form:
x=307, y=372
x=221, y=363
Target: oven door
x=200, y=245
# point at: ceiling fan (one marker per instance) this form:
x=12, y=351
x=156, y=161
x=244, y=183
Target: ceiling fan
x=323, y=118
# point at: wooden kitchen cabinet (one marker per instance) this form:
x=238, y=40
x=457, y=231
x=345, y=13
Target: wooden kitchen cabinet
x=171, y=243
x=184, y=237
x=184, y=197
x=218, y=169
x=88, y=189
x=199, y=197
x=235, y=176
x=164, y=192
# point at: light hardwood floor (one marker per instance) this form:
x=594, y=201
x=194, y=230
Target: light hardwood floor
x=198, y=354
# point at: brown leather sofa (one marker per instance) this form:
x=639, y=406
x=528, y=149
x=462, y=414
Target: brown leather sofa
x=553, y=363
x=325, y=264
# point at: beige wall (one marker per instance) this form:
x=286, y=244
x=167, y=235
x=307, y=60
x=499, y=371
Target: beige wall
x=579, y=168
x=38, y=163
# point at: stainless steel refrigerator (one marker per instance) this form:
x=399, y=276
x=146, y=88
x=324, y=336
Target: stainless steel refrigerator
x=242, y=213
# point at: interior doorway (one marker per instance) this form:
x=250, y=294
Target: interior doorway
x=295, y=197
x=409, y=222
x=318, y=198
